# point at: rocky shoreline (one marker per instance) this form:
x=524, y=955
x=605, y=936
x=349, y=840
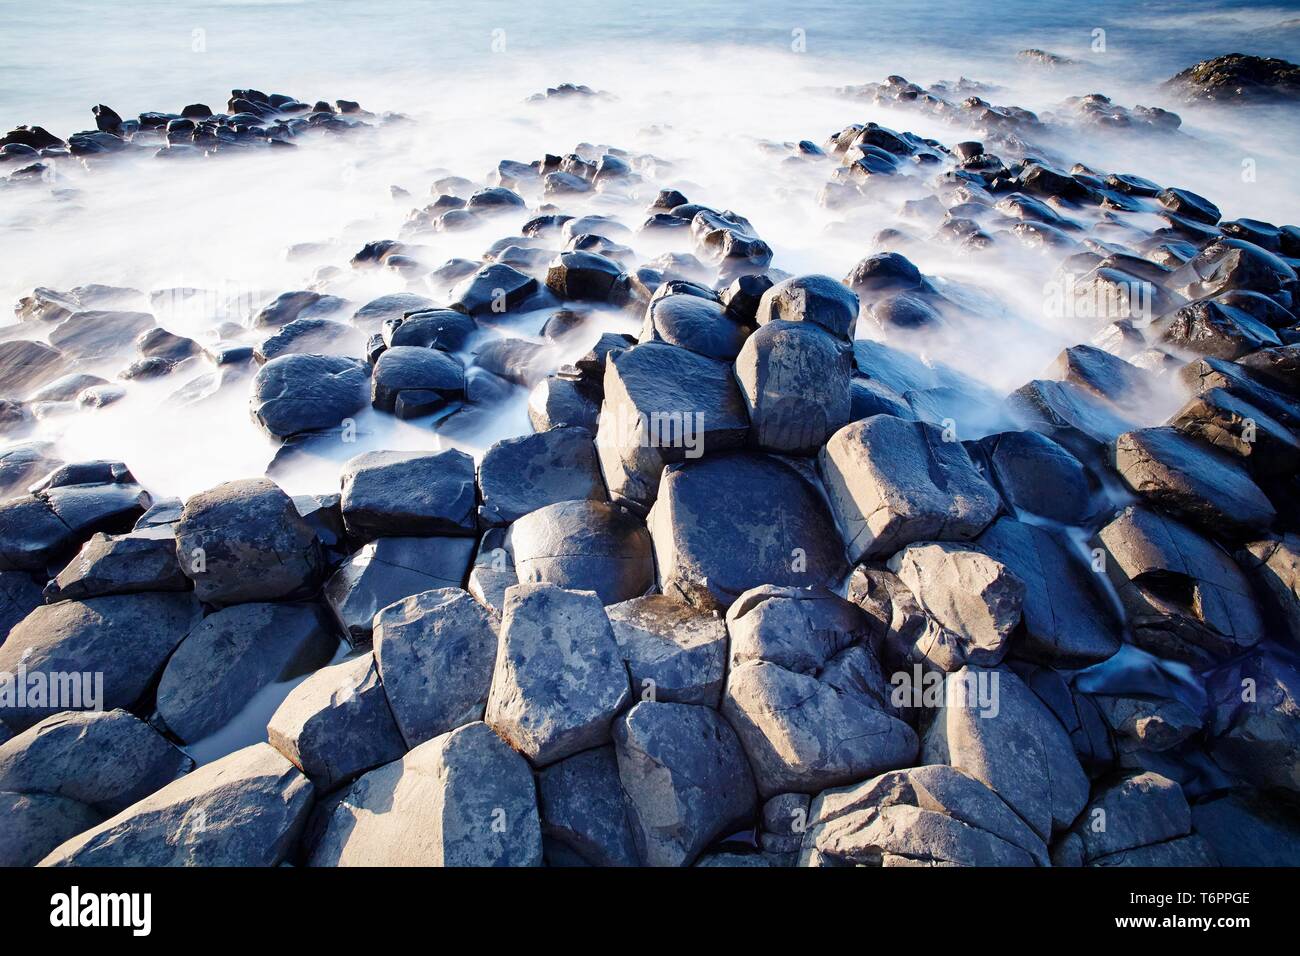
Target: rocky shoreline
x=769, y=583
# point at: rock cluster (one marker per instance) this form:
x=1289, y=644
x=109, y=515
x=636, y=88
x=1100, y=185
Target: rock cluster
x=762, y=587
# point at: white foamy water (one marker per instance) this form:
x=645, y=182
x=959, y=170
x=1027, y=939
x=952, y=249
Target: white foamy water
x=707, y=102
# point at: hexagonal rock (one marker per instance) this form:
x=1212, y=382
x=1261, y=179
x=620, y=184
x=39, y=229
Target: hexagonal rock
x=975, y=598
x=725, y=524
x=892, y=482
x=409, y=494
x=583, y=808
x=582, y=275
x=390, y=569
x=1106, y=376
x=435, y=652
x=461, y=799
x=930, y=815
x=559, y=680
x=1068, y=414
x=795, y=380
x=995, y=729
x=686, y=780
x=1186, y=599
x=519, y=475
x=105, y=759
x=337, y=724
x=49, y=524
x=494, y=289
x=246, y=809
x=234, y=653
x=817, y=299
x=663, y=405
x=1192, y=481
x=1069, y=621
x=671, y=649
x=559, y=401
x=806, y=697
x=1255, y=720
x=245, y=541
x=114, y=646
x=584, y=546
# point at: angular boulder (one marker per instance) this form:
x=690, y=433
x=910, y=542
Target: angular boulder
x=245, y=541
x=805, y=695
x=893, y=482
x=1185, y=597
x=521, y=475
x=663, y=405
x=993, y=727
x=106, y=760
x=583, y=809
x=725, y=524
x=90, y=655
x=461, y=799
x=388, y=570
x=673, y=652
x=686, y=780
x=933, y=815
x=559, y=680
x=435, y=652
x=794, y=377
x=337, y=724
x=585, y=546
x=1192, y=481
x=412, y=494
x=246, y=809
